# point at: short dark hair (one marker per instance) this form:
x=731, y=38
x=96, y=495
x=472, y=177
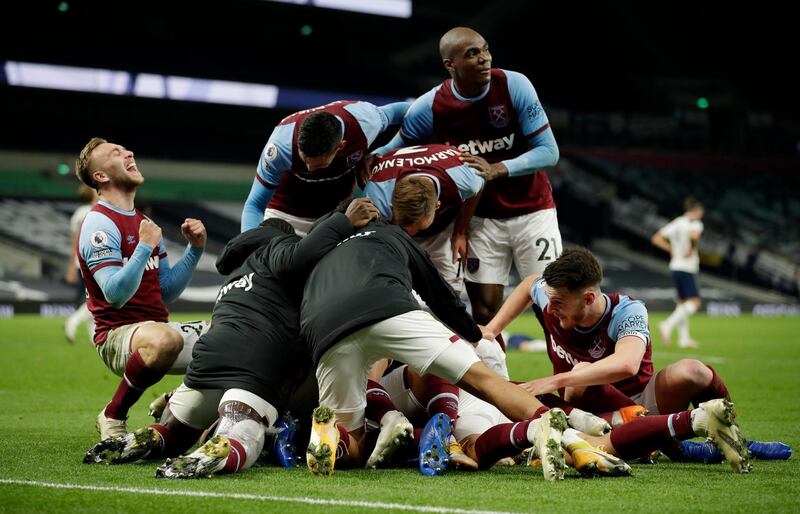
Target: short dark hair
x=280, y=224
x=577, y=269
x=319, y=134
x=690, y=202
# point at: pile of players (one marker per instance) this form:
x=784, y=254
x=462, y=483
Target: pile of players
x=350, y=265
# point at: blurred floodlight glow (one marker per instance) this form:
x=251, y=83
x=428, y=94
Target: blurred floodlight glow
x=395, y=8
x=70, y=78
x=149, y=85
x=221, y=92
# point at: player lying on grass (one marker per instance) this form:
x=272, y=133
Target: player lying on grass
x=487, y=436
x=357, y=308
x=246, y=366
x=599, y=345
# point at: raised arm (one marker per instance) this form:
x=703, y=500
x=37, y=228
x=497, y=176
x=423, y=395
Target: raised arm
x=301, y=255
x=174, y=279
x=518, y=301
x=100, y=244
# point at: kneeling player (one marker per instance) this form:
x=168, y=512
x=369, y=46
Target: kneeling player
x=244, y=369
x=599, y=344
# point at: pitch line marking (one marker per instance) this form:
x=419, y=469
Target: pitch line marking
x=259, y=497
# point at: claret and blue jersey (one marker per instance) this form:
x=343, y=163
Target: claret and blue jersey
x=624, y=316
x=127, y=281
x=506, y=123
x=455, y=182
x=282, y=180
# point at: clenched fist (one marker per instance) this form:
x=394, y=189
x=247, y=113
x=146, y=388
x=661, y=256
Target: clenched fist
x=149, y=233
x=195, y=232
x=361, y=211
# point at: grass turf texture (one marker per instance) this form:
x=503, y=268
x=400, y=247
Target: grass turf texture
x=50, y=393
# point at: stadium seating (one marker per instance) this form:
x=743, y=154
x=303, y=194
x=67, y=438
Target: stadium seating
x=752, y=226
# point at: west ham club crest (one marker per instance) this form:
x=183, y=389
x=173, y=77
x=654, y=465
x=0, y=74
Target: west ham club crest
x=598, y=347
x=498, y=116
x=354, y=157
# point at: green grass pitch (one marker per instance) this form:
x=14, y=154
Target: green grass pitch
x=50, y=393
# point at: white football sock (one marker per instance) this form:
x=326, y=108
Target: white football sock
x=675, y=318
x=700, y=422
x=531, y=433
x=249, y=433
x=683, y=331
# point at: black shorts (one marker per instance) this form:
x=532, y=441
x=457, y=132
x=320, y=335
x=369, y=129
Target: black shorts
x=266, y=362
x=686, y=285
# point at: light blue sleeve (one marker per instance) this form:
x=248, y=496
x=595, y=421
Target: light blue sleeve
x=629, y=319
x=173, y=280
x=100, y=244
x=395, y=112
x=358, y=192
x=417, y=125
x=119, y=284
x=395, y=143
x=374, y=120
x=467, y=180
x=530, y=113
x=538, y=293
x=100, y=241
x=381, y=195
x=534, y=124
x=275, y=160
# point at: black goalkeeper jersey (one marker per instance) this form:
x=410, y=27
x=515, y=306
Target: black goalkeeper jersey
x=368, y=278
x=253, y=340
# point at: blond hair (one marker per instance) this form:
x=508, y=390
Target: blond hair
x=414, y=198
x=83, y=164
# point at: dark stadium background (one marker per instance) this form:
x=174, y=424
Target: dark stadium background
x=622, y=82
x=585, y=57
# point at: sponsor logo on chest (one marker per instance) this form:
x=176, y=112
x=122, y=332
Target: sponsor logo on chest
x=152, y=263
x=562, y=353
x=483, y=146
x=246, y=283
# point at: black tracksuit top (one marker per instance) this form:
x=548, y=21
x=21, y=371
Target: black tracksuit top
x=368, y=278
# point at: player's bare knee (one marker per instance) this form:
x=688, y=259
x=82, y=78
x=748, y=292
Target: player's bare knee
x=693, y=373
x=486, y=301
x=166, y=346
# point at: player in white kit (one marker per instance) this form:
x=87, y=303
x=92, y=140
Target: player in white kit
x=680, y=238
